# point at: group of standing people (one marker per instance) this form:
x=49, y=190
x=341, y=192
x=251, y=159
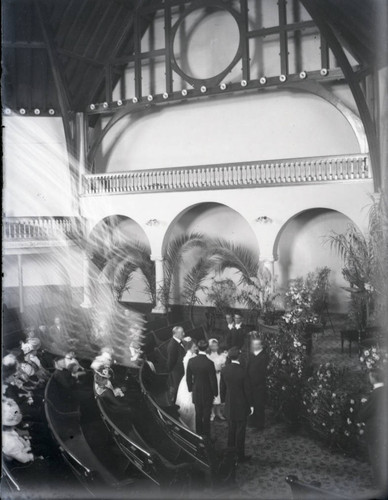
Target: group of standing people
x=205, y=376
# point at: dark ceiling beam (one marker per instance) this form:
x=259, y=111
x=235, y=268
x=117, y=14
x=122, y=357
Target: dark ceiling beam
x=76, y=25
x=115, y=49
x=273, y=30
x=100, y=20
x=23, y=45
x=314, y=8
x=109, y=35
x=64, y=23
x=74, y=55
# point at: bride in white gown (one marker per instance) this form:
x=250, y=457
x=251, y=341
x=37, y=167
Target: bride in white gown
x=184, y=397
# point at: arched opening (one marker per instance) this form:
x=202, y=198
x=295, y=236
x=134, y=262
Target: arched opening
x=120, y=251
x=301, y=246
x=209, y=222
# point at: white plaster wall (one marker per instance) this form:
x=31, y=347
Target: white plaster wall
x=280, y=204
x=36, y=173
x=304, y=246
x=262, y=126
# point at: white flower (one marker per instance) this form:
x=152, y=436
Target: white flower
x=348, y=421
x=315, y=411
x=333, y=395
x=352, y=401
x=331, y=413
x=361, y=431
x=366, y=353
x=361, y=359
x=364, y=400
x=351, y=410
x=283, y=388
x=332, y=430
x=347, y=433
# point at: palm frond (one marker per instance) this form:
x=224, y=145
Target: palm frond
x=225, y=254
x=194, y=281
x=173, y=257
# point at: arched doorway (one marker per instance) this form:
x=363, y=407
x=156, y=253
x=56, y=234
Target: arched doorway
x=119, y=251
x=200, y=227
x=301, y=246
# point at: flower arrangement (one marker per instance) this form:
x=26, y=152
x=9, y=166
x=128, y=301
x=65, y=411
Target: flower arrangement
x=375, y=357
x=331, y=402
x=287, y=370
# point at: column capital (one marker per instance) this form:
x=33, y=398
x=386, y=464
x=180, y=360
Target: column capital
x=156, y=257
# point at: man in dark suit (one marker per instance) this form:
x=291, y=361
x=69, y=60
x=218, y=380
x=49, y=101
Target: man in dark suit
x=202, y=382
x=236, y=393
x=374, y=416
x=257, y=374
x=175, y=354
x=236, y=335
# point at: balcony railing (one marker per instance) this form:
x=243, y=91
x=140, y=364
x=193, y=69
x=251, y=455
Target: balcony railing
x=236, y=175
x=41, y=228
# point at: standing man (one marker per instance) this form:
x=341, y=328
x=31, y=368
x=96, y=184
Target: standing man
x=202, y=382
x=257, y=375
x=229, y=322
x=374, y=416
x=236, y=393
x=236, y=336
x=175, y=354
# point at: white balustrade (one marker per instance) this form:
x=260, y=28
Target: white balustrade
x=39, y=228
x=254, y=174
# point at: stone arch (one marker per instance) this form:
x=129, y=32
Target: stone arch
x=114, y=231
x=200, y=209
x=212, y=219
x=301, y=246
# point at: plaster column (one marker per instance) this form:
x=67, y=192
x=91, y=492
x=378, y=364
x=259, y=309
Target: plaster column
x=269, y=263
x=20, y=283
x=87, y=302
x=159, y=281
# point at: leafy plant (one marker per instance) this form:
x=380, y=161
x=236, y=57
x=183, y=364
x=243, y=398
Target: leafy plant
x=121, y=263
x=365, y=259
x=258, y=294
x=194, y=283
x=173, y=256
x=222, y=295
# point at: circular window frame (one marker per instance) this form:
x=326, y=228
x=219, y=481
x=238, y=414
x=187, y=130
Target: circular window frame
x=214, y=80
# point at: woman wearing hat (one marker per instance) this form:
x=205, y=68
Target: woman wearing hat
x=219, y=360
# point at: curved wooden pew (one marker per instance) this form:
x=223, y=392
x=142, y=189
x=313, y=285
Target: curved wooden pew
x=145, y=443
x=64, y=420
x=154, y=388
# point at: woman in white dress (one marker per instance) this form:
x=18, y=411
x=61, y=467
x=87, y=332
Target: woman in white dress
x=219, y=360
x=184, y=397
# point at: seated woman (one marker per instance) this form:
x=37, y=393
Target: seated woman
x=111, y=397
x=67, y=373
x=31, y=365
